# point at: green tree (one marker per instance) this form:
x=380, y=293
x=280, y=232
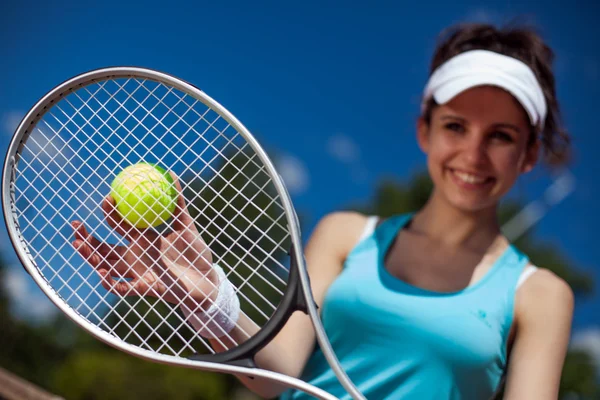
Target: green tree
x=27, y=351
x=579, y=376
x=240, y=215
x=110, y=375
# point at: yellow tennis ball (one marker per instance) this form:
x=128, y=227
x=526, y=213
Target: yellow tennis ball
x=144, y=194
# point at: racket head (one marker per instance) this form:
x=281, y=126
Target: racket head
x=36, y=184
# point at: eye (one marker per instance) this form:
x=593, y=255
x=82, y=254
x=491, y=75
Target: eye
x=502, y=136
x=454, y=126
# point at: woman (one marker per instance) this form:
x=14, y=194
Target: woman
x=446, y=306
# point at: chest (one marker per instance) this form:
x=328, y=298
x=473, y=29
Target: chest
x=464, y=331
x=422, y=263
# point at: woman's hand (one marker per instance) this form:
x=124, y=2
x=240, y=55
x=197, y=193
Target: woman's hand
x=176, y=266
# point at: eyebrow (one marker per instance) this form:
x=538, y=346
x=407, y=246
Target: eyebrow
x=497, y=125
x=454, y=117
x=508, y=126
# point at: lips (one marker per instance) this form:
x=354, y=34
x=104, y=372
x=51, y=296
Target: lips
x=469, y=180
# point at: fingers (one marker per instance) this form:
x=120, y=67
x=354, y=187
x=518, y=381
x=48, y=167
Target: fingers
x=102, y=256
x=181, y=217
x=144, y=238
x=144, y=243
x=115, y=220
x=183, y=222
x=108, y=251
x=107, y=268
x=82, y=234
x=137, y=286
x=121, y=287
x=89, y=253
x=87, y=245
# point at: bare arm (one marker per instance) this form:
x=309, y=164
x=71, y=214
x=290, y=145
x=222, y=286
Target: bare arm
x=158, y=266
x=325, y=252
x=543, y=314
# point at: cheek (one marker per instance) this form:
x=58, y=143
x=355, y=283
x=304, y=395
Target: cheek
x=440, y=150
x=435, y=161
x=438, y=157
x=507, y=160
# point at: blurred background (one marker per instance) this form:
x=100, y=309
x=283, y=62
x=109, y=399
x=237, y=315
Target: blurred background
x=332, y=89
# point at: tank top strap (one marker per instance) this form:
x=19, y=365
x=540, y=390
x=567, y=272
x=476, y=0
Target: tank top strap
x=511, y=266
x=385, y=233
x=369, y=227
x=374, y=238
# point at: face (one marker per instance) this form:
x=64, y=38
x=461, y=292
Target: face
x=477, y=146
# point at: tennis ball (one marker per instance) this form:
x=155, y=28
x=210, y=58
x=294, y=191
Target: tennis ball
x=144, y=194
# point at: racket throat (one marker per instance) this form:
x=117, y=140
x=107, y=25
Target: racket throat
x=300, y=303
x=293, y=300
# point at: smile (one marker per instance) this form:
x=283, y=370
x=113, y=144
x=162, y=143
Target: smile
x=470, y=181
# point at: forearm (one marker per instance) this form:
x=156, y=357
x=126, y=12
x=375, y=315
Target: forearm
x=291, y=348
x=286, y=353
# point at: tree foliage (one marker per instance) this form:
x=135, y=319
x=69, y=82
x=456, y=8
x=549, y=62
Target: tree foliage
x=26, y=350
x=579, y=376
x=104, y=374
x=62, y=358
x=239, y=213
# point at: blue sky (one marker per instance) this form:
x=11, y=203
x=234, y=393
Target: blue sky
x=333, y=86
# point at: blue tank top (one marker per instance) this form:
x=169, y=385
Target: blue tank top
x=398, y=341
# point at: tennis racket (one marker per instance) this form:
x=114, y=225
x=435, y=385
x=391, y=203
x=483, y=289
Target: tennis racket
x=56, y=177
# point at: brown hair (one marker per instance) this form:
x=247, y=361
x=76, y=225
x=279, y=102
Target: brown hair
x=524, y=44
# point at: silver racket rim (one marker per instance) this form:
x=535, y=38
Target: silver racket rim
x=24, y=129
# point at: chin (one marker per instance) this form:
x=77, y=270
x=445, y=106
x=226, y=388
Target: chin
x=471, y=206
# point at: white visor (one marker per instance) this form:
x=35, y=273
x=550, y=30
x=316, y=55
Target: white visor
x=481, y=67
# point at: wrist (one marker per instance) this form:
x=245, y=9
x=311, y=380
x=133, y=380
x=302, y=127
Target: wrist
x=218, y=313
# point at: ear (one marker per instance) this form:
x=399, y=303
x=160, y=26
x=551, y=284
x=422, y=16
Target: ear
x=531, y=157
x=423, y=134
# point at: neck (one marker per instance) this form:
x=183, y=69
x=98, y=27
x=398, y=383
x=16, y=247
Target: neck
x=452, y=227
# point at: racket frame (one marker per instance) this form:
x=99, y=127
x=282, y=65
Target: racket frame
x=233, y=361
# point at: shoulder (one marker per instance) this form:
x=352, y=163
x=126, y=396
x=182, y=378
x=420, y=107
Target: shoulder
x=544, y=298
x=345, y=218
x=339, y=230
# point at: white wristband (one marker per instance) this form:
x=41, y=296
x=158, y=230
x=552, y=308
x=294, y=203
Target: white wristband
x=221, y=316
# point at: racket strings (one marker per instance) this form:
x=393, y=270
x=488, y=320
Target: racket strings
x=240, y=193
x=250, y=180
x=240, y=285
x=83, y=301
x=66, y=172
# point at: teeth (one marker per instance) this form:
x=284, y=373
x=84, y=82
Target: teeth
x=468, y=178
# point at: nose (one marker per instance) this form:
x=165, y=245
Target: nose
x=475, y=151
